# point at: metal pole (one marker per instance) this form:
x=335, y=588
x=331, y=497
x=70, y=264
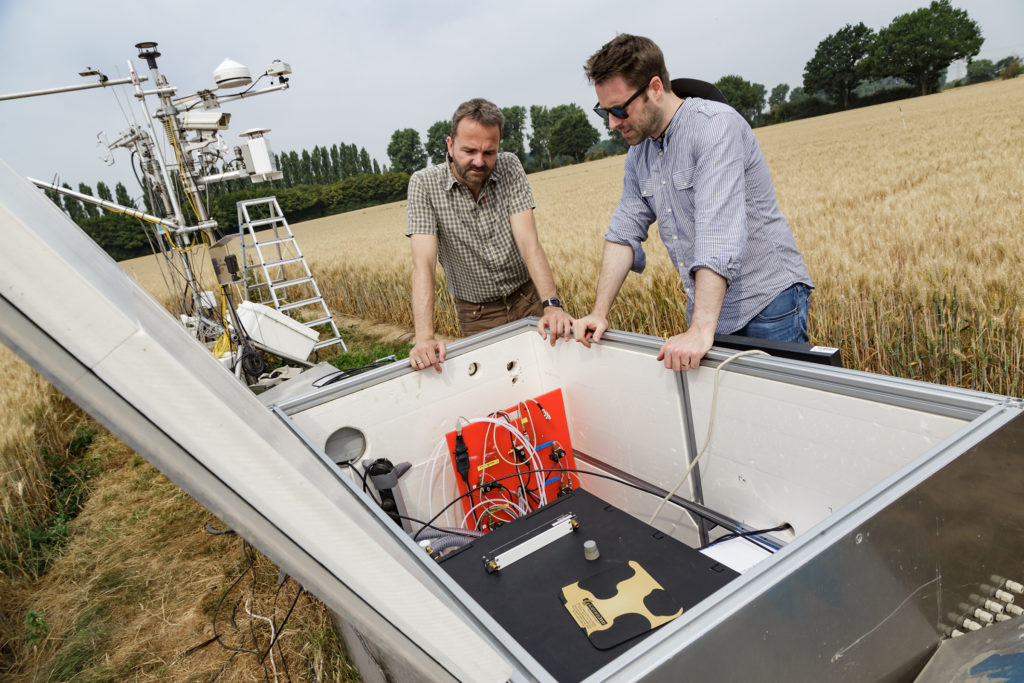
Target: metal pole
x=186, y=266
x=168, y=187
x=69, y=88
x=242, y=95
x=110, y=206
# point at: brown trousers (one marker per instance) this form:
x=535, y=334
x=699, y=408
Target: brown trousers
x=476, y=318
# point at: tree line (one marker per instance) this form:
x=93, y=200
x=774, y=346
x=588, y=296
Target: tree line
x=321, y=182
x=117, y=234
x=857, y=66
x=317, y=183
x=558, y=136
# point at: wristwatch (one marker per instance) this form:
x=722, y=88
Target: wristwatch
x=553, y=301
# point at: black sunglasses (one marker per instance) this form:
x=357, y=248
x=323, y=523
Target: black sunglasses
x=620, y=111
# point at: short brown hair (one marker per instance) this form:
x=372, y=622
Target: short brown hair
x=480, y=110
x=635, y=58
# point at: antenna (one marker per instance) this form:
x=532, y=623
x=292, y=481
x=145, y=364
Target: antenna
x=192, y=126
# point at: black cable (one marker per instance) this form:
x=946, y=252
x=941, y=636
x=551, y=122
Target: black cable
x=747, y=534
x=510, y=476
x=261, y=656
x=507, y=497
x=282, y=580
x=436, y=528
x=277, y=632
x=253, y=84
x=220, y=602
x=216, y=532
x=350, y=372
x=147, y=190
x=284, y=663
x=366, y=488
x=142, y=185
x=219, y=672
x=251, y=557
x=461, y=458
x=253, y=362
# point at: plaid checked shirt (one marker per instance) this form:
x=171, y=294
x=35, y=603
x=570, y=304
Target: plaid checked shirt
x=474, y=236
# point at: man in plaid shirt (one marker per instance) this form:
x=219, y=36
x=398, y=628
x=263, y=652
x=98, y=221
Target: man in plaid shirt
x=475, y=214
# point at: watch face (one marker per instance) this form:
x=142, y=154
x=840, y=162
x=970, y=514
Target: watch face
x=553, y=301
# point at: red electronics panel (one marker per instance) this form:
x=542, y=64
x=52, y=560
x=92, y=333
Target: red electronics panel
x=505, y=466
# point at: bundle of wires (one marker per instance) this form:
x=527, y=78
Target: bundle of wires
x=489, y=508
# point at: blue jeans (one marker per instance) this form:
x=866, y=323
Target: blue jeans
x=784, y=319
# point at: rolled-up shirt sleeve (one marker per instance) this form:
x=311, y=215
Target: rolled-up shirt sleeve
x=420, y=214
x=632, y=218
x=520, y=195
x=720, y=221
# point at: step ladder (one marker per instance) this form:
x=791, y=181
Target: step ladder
x=275, y=272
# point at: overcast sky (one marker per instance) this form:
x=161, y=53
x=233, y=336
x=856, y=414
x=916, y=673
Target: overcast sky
x=363, y=70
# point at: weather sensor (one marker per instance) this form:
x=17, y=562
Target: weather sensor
x=279, y=68
x=231, y=74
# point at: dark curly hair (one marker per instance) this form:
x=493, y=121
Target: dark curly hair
x=635, y=58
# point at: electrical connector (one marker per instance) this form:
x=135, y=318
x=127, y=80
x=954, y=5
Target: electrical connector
x=520, y=453
x=556, y=454
x=970, y=624
x=992, y=606
x=462, y=458
x=1008, y=584
x=983, y=616
x=494, y=523
x=978, y=614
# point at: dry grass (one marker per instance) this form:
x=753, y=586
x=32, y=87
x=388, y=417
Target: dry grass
x=116, y=613
x=30, y=420
x=134, y=590
x=908, y=214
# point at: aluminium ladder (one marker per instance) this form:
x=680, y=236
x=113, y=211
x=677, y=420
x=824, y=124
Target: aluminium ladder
x=275, y=272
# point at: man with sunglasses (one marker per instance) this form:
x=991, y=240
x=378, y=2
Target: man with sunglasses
x=475, y=214
x=694, y=166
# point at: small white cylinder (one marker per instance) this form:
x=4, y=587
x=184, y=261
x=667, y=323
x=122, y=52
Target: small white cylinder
x=1014, y=586
x=983, y=616
x=993, y=606
x=590, y=550
x=971, y=624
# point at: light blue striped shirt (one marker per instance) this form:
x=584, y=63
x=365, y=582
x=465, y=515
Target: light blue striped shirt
x=709, y=189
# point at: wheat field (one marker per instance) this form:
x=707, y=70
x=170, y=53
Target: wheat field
x=909, y=215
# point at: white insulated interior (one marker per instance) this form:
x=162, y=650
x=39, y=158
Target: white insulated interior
x=778, y=453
